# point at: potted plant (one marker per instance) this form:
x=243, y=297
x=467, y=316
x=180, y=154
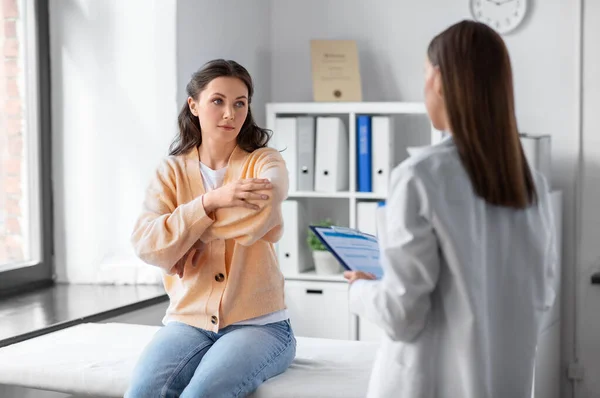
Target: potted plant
x=325, y=262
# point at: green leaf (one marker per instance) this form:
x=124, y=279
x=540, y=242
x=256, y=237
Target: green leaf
x=313, y=242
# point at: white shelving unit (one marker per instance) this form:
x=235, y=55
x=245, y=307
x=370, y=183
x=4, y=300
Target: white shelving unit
x=332, y=195
x=412, y=128
x=309, y=294
x=313, y=276
x=336, y=108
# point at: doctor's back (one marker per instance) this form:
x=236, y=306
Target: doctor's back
x=468, y=242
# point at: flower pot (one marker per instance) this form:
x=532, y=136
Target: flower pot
x=326, y=263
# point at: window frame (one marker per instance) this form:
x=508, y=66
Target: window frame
x=41, y=274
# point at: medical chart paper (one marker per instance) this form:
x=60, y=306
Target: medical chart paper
x=355, y=250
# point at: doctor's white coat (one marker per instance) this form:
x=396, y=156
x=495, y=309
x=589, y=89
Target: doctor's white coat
x=465, y=285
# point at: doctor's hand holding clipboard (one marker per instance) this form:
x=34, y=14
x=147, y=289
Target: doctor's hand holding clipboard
x=356, y=251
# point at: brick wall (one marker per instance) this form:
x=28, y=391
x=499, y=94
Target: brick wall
x=11, y=136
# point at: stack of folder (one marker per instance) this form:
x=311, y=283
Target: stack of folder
x=375, y=153
x=315, y=150
x=292, y=251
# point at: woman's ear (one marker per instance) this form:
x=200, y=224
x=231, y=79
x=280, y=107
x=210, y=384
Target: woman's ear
x=193, y=106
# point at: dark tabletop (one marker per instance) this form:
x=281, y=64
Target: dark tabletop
x=59, y=306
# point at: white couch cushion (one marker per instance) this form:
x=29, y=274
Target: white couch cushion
x=97, y=359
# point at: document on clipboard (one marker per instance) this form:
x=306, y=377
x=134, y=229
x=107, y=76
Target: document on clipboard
x=355, y=250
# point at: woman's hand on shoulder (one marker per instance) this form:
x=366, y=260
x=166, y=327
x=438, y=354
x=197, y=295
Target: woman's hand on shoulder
x=237, y=194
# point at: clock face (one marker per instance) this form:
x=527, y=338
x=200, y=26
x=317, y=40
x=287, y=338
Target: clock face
x=502, y=15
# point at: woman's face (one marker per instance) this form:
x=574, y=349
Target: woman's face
x=434, y=97
x=221, y=108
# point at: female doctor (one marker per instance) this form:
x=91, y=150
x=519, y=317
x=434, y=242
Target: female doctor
x=467, y=241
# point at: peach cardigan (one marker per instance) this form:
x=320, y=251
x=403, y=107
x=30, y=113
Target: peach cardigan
x=231, y=269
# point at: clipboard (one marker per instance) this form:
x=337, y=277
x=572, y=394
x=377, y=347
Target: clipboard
x=355, y=250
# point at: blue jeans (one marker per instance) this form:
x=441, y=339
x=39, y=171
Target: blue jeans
x=188, y=362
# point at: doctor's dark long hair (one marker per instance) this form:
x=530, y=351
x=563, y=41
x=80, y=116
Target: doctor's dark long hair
x=250, y=138
x=478, y=91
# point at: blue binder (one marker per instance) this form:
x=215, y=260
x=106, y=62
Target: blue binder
x=364, y=158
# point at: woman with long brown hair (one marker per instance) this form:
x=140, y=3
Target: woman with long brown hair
x=211, y=216
x=467, y=241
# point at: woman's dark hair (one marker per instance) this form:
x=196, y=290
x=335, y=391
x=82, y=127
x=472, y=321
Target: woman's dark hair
x=478, y=91
x=250, y=138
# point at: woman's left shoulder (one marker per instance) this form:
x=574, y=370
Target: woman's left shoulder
x=266, y=154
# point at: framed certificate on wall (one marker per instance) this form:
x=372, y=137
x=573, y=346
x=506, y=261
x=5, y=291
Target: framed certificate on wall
x=335, y=70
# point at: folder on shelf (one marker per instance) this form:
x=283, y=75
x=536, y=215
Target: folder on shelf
x=306, y=153
x=285, y=138
x=366, y=217
x=331, y=155
x=383, y=145
x=355, y=250
x=364, y=155
x=292, y=250
x=537, y=152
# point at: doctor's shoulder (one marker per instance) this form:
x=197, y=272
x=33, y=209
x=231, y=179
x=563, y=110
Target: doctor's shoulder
x=428, y=161
x=433, y=152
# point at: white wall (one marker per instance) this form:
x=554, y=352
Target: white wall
x=114, y=114
x=392, y=38
x=588, y=321
x=237, y=30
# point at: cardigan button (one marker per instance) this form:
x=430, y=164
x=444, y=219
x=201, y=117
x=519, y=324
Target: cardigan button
x=219, y=277
x=214, y=320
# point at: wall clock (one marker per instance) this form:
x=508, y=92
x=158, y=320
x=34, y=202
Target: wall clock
x=502, y=15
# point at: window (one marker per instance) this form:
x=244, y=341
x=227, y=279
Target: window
x=25, y=200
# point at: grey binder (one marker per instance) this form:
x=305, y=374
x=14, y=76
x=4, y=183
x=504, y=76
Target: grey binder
x=537, y=152
x=306, y=153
